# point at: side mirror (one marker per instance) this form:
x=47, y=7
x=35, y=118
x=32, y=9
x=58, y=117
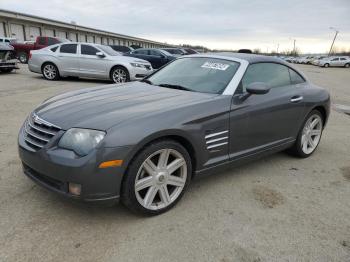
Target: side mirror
x=100, y=54
x=258, y=88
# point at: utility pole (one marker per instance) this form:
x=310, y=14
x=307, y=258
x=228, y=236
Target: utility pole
x=294, y=47
x=335, y=36
x=278, y=46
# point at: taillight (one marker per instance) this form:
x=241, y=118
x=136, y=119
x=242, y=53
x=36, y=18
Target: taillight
x=30, y=54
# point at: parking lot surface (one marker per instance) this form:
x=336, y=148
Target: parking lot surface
x=279, y=208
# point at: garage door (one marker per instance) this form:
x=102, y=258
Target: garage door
x=61, y=34
x=90, y=39
x=2, y=29
x=17, y=31
x=73, y=37
x=49, y=32
x=98, y=39
x=82, y=38
x=33, y=33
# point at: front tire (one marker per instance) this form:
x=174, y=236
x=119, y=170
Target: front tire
x=50, y=72
x=157, y=178
x=326, y=65
x=347, y=65
x=119, y=74
x=309, y=136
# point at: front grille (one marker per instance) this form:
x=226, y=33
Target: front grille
x=38, y=132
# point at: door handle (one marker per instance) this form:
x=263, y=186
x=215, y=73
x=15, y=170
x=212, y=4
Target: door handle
x=296, y=99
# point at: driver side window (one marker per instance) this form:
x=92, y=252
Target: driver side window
x=88, y=50
x=272, y=74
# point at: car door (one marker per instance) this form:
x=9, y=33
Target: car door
x=342, y=61
x=260, y=122
x=158, y=58
x=68, y=63
x=91, y=65
x=334, y=62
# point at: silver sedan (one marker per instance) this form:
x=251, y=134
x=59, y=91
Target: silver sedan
x=335, y=61
x=87, y=60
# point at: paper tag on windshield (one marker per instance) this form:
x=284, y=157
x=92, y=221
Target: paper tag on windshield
x=217, y=66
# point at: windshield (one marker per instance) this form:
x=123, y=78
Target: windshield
x=206, y=75
x=174, y=51
x=108, y=50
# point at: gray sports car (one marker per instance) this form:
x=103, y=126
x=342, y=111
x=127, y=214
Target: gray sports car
x=144, y=141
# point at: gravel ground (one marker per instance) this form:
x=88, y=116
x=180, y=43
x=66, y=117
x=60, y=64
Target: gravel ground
x=276, y=209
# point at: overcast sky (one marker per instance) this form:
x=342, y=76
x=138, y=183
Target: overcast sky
x=221, y=24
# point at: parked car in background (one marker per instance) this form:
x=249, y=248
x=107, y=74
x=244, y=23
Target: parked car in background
x=143, y=142
x=22, y=49
x=8, y=61
x=87, y=60
x=343, y=61
x=316, y=60
x=7, y=40
x=175, y=51
x=190, y=51
x=122, y=49
x=290, y=59
x=157, y=57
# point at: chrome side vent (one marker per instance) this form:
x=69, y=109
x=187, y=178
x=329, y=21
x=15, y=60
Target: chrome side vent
x=215, y=140
x=38, y=132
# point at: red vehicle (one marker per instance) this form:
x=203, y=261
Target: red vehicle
x=22, y=50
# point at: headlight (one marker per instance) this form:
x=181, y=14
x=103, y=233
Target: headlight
x=81, y=141
x=137, y=65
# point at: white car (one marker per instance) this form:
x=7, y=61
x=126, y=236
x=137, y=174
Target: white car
x=343, y=61
x=7, y=40
x=87, y=60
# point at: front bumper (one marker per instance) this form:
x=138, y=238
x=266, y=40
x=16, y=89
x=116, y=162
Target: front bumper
x=8, y=65
x=138, y=73
x=53, y=168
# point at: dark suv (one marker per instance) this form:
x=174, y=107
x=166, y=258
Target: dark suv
x=121, y=48
x=156, y=57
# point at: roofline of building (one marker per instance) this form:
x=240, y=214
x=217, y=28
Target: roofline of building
x=43, y=20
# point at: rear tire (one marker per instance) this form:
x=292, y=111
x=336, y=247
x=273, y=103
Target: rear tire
x=23, y=57
x=157, y=178
x=50, y=71
x=309, y=135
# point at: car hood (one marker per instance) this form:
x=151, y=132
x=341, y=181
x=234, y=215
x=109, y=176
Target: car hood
x=129, y=59
x=104, y=107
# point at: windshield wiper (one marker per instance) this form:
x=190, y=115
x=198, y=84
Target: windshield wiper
x=147, y=81
x=179, y=87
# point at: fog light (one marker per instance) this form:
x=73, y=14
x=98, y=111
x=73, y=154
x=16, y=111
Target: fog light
x=75, y=189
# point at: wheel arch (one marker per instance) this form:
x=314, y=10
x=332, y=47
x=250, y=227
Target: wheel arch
x=323, y=112
x=49, y=62
x=179, y=138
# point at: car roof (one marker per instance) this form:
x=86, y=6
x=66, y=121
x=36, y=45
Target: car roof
x=250, y=58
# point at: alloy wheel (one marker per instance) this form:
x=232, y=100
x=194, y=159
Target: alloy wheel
x=311, y=134
x=119, y=75
x=160, y=179
x=23, y=58
x=50, y=71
